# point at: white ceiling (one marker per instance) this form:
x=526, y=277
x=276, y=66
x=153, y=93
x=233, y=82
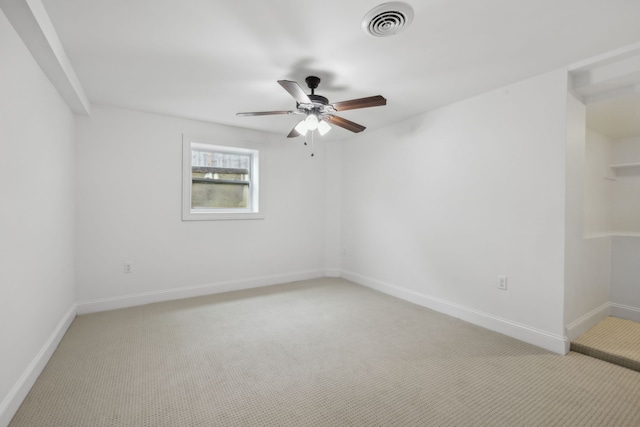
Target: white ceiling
x=208, y=59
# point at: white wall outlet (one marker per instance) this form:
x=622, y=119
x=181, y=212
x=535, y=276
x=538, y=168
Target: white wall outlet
x=128, y=267
x=502, y=282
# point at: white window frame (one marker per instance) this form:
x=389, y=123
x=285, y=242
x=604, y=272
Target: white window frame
x=256, y=187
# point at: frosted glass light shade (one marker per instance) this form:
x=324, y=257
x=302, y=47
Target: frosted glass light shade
x=302, y=127
x=312, y=122
x=323, y=127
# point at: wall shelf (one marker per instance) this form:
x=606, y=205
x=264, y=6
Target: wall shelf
x=622, y=166
x=589, y=236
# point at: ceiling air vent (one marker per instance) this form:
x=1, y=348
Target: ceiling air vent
x=387, y=19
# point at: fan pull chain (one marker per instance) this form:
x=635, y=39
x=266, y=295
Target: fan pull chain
x=312, y=149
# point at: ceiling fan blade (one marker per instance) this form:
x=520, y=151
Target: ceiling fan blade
x=264, y=113
x=371, y=101
x=344, y=123
x=294, y=133
x=295, y=90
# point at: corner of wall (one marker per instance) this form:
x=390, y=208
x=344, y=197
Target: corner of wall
x=19, y=391
x=587, y=321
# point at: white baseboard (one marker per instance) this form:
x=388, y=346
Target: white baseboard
x=625, y=312
x=132, y=300
x=332, y=272
x=555, y=343
x=16, y=395
x=589, y=320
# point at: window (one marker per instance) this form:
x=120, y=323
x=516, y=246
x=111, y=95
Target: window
x=220, y=182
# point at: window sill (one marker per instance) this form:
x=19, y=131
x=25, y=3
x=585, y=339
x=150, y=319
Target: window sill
x=221, y=216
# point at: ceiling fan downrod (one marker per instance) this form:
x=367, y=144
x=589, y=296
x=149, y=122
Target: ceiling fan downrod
x=312, y=82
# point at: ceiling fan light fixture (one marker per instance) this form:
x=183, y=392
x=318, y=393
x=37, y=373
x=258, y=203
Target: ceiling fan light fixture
x=312, y=122
x=302, y=127
x=323, y=127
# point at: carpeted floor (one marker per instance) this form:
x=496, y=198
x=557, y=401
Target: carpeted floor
x=614, y=340
x=324, y=352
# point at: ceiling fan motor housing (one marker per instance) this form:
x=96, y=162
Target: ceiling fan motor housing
x=318, y=99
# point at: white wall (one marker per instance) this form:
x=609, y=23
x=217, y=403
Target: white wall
x=598, y=185
x=626, y=150
x=588, y=213
x=36, y=218
x=625, y=278
x=436, y=207
x=626, y=190
x=129, y=209
x=333, y=200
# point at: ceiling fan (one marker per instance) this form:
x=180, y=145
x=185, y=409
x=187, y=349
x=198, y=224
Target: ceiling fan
x=317, y=109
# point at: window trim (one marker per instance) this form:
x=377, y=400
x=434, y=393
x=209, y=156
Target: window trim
x=256, y=187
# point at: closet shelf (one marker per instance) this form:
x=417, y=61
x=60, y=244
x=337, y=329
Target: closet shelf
x=621, y=166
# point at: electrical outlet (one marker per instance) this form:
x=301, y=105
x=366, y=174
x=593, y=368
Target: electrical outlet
x=128, y=267
x=502, y=283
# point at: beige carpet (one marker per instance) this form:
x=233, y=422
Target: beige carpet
x=614, y=340
x=324, y=352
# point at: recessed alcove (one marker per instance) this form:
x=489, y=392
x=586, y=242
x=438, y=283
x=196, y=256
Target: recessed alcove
x=612, y=210
x=603, y=191
x=612, y=186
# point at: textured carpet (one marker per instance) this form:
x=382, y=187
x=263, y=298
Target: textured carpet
x=614, y=340
x=323, y=352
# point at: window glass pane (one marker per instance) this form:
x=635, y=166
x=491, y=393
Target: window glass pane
x=214, y=195
x=220, y=179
